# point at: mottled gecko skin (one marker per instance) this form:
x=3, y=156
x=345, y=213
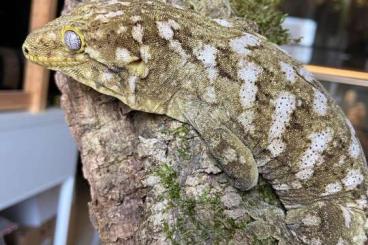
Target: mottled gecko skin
x=257, y=109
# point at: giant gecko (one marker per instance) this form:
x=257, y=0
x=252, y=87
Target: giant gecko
x=256, y=108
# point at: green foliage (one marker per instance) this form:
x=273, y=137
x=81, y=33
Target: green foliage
x=168, y=179
x=266, y=15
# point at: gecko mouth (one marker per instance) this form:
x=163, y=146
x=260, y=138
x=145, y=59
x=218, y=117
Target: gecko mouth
x=53, y=61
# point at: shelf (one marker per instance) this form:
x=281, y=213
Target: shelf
x=337, y=75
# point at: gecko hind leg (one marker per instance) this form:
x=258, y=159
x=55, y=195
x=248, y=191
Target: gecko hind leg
x=328, y=222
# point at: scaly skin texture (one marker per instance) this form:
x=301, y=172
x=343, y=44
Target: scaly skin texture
x=256, y=108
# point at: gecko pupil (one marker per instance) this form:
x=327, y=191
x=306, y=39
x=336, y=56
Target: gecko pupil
x=72, y=40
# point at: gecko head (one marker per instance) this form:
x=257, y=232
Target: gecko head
x=56, y=47
x=93, y=44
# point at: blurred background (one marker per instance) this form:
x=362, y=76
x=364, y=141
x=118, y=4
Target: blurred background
x=43, y=194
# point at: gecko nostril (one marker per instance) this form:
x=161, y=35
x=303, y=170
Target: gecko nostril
x=25, y=50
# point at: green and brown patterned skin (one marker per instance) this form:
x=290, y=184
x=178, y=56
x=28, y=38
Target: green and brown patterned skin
x=257, y=109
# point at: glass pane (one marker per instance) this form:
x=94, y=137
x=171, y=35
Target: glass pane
x=335, y=33
x=353, y=100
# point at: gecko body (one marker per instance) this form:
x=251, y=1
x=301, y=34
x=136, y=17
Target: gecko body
x=256, y=108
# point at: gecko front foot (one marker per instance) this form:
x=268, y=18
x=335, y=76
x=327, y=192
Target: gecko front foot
x=232, y=155
x=234, y=158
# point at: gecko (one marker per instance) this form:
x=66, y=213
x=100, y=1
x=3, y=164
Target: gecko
x=256, y=108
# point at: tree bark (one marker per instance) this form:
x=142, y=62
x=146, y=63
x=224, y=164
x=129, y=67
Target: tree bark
x=153, y=182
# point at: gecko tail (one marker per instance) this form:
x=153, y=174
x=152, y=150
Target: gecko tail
x=329, y=223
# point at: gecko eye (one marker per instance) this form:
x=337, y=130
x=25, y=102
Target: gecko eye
x=72, y=40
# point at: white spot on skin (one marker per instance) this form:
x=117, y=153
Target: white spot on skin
x=177, y=6
x=276, y=147
x=109, y=15
x=354, y=148
x=341, y=242
x=118, y=2
x=223, y=22
x=106, y=76
x=177, y=47
x=135, y=18
x=132, y=82
x=263, y=161
x=311, y=220
x=92, y=52
x=145, y=53
x=332, y=188
x=362, y=202
x=305, y=174
x=319, y=143
x=209, y=95
x=246, y=119
x=100, y=33
x=174, y=24
x=281, y=187
x=122, y=29
x=113, y=2
x=285, y=104
x=249, y=73
x=51, y=35
x=352, y=179
x=347, y=216
x=124, y=55
x=212, y=73
x=315, y=241
x=289, y=72
x=320, y=103
x=114, y=14
x=125, y=3
x=165, y=30
x=239, y=45
x=207, y=55
x=359, y=239
x=296, y=184
x=137, y=33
